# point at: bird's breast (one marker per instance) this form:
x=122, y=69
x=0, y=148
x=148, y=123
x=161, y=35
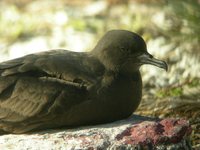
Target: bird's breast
x=122, y=95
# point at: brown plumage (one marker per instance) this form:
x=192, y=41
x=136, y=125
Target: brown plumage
x=60, y=88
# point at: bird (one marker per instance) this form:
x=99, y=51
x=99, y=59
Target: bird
x=61, y=88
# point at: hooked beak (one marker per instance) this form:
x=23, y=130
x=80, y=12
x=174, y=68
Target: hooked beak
x=147, y=58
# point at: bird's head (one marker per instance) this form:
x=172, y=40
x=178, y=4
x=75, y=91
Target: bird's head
x=124, y=51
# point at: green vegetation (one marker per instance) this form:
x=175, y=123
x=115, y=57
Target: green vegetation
x=194, y=83
x=172, y=92
x=178, y=91
x=18, y=25
x=186, y=13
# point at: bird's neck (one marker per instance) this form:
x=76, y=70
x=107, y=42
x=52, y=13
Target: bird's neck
x=118, y=80
x=111, y=77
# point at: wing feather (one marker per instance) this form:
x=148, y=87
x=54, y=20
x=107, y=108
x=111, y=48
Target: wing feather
x=32, y=97
x=37, y=87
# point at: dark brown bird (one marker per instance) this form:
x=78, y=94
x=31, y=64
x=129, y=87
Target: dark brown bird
x=60, y=88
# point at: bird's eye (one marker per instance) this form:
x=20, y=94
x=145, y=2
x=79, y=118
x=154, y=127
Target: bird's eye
x=126, y=50
x=122, y=48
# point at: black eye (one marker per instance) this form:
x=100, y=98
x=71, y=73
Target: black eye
x=122, y=49
x=126, y=50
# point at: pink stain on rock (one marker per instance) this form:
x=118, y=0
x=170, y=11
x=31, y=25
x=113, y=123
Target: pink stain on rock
x=155, y=132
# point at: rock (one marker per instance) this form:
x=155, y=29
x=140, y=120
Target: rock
x=136, y=132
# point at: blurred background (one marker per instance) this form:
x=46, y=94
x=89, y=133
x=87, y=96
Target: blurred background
x=170, y=28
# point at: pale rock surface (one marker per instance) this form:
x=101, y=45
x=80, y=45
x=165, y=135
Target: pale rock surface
x=136, y=132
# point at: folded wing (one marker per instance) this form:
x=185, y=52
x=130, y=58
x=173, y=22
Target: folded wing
x=39, y=87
